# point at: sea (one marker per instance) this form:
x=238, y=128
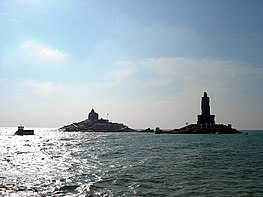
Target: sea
x=56, y=163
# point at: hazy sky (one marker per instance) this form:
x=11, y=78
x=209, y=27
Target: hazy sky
x=145, y=62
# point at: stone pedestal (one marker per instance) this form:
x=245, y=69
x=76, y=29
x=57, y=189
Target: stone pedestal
x=202, y=119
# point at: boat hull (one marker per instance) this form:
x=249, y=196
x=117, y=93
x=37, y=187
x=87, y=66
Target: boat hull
x=25, y=132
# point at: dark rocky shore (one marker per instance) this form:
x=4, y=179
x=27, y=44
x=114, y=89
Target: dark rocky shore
x=195, y=129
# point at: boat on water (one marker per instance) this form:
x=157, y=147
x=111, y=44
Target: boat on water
x=22, y=131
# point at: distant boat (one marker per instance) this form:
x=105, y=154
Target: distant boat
x=22, y=131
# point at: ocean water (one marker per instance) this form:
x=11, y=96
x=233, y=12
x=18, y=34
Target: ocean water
x=53, y=163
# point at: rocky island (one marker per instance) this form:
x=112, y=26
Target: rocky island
x=205, y=123
x=94, y=124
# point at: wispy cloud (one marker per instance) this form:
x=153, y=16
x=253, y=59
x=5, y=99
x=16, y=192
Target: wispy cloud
x=29, y=2
x=124, y=70
x=202, y=72
x=40, y=88
x=40, y=51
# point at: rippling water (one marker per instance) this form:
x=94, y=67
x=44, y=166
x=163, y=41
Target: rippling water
x=53, y=163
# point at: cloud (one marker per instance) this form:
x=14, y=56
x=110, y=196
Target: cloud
x=199, y=72
x=40, y=51
x=42, y=89
x=124, y=70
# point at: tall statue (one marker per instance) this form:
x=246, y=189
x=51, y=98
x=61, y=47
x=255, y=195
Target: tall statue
x=205, y=117
x=205, y=105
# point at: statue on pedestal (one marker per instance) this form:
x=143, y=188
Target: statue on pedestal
x=205, y=117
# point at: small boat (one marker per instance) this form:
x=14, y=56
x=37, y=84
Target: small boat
x=22, y=131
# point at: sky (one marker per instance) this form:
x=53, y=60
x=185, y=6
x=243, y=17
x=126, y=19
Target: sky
x=146, y=63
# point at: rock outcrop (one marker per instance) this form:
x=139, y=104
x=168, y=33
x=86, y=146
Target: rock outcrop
x=94, y=124
x=205, y=123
